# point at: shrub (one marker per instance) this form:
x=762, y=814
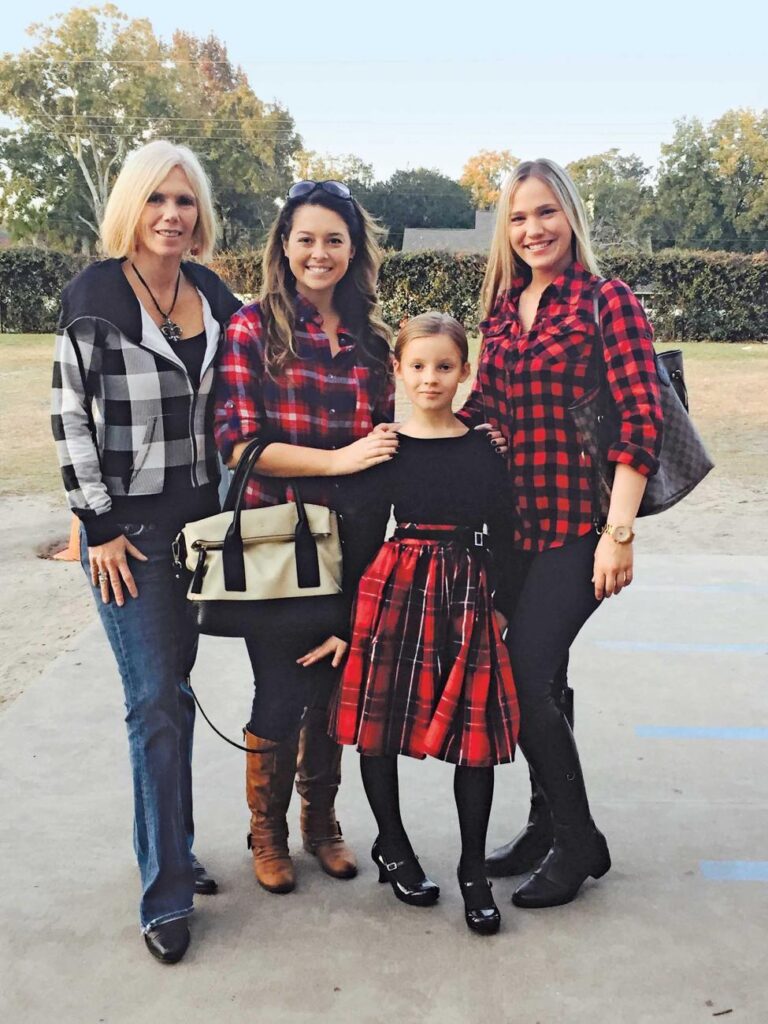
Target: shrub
x=30, y=284
x=720, y=296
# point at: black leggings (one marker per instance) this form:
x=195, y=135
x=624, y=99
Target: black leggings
x=473, y=793
x=554, y=598
x=284, y=689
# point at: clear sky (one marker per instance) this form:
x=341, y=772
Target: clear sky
x=409, y=84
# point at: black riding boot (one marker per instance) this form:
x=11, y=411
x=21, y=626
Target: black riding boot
x=529, y=847
x=578, y=849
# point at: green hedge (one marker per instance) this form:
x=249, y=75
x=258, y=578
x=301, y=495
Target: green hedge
x=695, y=295
x=30, y=283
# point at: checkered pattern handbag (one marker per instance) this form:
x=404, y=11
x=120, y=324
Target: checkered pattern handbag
x=683, y=460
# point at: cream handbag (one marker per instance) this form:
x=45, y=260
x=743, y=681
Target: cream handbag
x=240, y=558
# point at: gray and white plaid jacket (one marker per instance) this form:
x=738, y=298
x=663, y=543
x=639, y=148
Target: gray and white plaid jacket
x=126, y=418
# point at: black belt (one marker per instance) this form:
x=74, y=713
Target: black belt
x=465, y=535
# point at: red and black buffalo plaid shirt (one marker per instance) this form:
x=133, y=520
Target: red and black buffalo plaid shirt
x=526, y=381
x=317, y=400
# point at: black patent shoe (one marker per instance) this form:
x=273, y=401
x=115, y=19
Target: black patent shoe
x=480, y=910
x=403, y=876
x=168, y=942
x=571, y=861
x=205, y=885
x=524, y=853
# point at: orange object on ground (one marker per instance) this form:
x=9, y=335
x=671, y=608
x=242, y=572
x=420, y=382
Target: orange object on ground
x=71, y=553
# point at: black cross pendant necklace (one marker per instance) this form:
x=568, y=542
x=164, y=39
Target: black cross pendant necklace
x=170, y=330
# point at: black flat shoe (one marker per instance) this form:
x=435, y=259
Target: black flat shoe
x=563, y=871
x=402, y=875
x=480, y=910
x=204, y=884
x=168, y=942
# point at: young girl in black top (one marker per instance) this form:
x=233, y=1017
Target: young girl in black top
x=427, y=672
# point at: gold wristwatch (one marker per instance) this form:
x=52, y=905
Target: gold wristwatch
x=621, y=534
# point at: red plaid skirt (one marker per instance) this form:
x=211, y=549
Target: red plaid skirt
x=427, y=671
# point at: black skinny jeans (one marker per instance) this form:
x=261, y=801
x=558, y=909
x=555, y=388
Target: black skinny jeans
x=554, y=598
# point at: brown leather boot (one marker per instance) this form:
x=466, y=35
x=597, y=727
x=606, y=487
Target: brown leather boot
x=317, y=782
x=269, y=774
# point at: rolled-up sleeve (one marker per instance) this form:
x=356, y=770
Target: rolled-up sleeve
x=239, y=404
x=632, y=379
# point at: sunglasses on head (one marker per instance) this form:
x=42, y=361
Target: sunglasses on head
x=302, y=189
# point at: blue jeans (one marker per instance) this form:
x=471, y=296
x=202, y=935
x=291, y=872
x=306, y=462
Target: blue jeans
x=154, y=640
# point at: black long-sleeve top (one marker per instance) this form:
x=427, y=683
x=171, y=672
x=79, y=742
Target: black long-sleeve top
x=458, y=481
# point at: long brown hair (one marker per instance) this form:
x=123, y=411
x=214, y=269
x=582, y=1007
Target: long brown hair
x=354, y=297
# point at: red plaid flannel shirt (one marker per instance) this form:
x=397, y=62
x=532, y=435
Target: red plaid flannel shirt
x=317, y=400
x=526, y=381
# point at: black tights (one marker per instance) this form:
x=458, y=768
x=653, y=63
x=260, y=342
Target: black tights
x=472, y=790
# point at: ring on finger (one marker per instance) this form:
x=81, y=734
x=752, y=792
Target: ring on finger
x=102, y=576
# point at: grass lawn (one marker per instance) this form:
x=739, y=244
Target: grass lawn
x=728, y=384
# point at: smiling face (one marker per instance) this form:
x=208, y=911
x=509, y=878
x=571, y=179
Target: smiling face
x=431, y=368
x=539, y=231
x=169, y=218
x=318, y=249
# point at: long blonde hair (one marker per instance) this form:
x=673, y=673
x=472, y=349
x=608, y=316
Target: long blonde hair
x=144, y=169
x=503, y=264
x=354, y=298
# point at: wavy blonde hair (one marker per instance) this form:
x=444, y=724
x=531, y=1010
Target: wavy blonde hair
x=354, y=298
x=144, y=169
x=503, y=264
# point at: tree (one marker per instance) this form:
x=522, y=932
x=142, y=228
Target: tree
x=617, y=195
x=689, y=201
x=712, y=188
x=741, y=154
x=418, y=199
x=247, y=146
x=79, y=105
x=484, y=174
x=313, y=166
x=97, y=84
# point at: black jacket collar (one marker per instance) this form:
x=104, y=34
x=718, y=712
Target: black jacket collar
x=102, y=291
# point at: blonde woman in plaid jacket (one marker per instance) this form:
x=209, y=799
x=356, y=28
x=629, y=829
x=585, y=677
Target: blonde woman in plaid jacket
x=132, y=386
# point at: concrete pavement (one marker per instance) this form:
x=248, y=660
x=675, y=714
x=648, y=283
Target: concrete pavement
x=666, y=678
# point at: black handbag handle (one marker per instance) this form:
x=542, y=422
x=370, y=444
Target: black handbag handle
x=307, y=562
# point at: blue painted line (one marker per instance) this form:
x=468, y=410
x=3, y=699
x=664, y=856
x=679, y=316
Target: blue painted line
x=735, y=870
x=700, y=732
x=681, y=648
x=702, y=588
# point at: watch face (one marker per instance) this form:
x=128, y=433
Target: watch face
x=622, y=534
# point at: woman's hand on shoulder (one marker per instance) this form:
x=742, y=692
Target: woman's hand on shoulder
x=334, y=648
x=110, y=569
x=377, y=447
x=612, y=568
x=495, y=437
x=386, y=428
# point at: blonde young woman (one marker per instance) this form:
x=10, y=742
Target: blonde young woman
x=541, y=353
x=132, y=389
x=307, y=369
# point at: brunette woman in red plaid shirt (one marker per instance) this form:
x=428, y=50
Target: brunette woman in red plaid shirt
x=540, y=347
x=307, y=368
